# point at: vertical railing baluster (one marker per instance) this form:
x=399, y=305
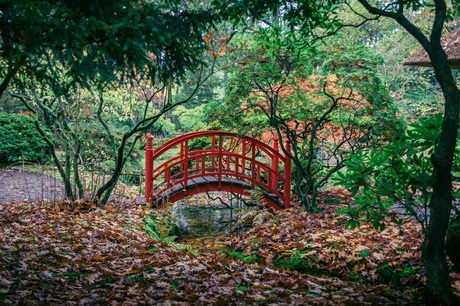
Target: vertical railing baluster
x=275, y=166
x=149, y=168
x=181, y=166
x=253, y=165
x=203, y=163
x=219, y=165
x=237, y=165
x=168, y=177
x=213, y=148
x=186, y=164
x=243, y=160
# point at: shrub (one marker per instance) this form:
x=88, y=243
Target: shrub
x=19, y=139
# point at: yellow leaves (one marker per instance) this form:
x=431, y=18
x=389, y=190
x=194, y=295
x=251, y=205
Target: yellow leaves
x=332, y=78
x=207, y=38
x=97, y=258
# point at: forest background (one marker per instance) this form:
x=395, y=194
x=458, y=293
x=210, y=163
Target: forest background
x=84, y=95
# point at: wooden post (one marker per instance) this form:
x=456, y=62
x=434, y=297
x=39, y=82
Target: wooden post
x=186, y=164
x=181, y=165
x=253, y=166
x=287, y=176
x=219, y=164
x=243, y=160
x=213, y=147
x=148, y=168
x=168, y=177
x=275, y=165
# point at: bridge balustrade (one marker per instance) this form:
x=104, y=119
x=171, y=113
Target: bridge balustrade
x=224, y=155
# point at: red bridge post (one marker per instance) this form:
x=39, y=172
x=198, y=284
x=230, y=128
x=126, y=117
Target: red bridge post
x=275, y=164
x=220, y=163
x=185, y=165
x=148, y=168
x=287, y=176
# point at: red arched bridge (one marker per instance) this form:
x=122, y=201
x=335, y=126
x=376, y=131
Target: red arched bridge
x=217, y=161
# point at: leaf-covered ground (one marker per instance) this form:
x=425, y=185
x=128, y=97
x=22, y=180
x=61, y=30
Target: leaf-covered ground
x=103, y=256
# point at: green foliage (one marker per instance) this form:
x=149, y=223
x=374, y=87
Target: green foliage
x=20, y=139
x=385, y=273
x=161, y=225
x=304, y=265
x=190, y=119
x=239, y=255
x=328, y=102
x=100, y=40
x=397, y=176
x=162, y=125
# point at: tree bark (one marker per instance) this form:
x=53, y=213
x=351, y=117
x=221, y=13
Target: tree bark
x=438, y=290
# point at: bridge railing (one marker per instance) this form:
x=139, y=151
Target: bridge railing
x=227, y=154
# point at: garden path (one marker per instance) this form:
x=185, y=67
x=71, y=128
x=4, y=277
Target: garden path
x=17, y=186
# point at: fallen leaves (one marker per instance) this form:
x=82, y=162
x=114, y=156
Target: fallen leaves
x=326, y=248
x=103, y=256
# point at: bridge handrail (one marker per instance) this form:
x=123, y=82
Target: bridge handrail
x=187, y=172
x=189, y=136
x=176, y=161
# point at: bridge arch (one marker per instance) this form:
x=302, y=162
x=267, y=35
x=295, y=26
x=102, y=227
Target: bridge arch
x=222, y=161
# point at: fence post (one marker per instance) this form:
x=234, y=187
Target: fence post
x=148, y=168
x=287, y=176
x=275, y=165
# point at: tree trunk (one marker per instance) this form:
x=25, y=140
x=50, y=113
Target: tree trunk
x=438, y=290
x=68, y=167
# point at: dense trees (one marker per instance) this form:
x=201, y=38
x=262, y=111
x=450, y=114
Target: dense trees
x=52, y=51
x=318, y=19
x=328, y=104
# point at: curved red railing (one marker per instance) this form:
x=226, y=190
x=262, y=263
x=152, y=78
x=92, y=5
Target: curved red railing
x=242, y=162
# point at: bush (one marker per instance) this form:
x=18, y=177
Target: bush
x=19, y=139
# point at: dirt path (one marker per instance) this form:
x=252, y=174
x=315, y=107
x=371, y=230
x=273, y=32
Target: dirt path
x=16, y=186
